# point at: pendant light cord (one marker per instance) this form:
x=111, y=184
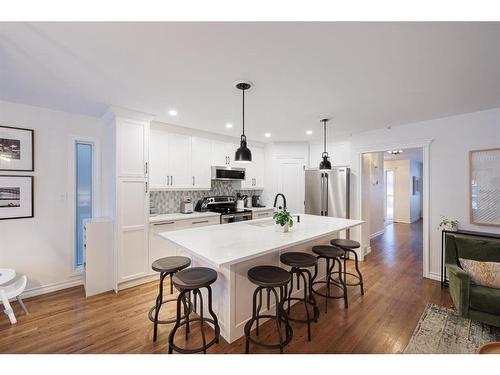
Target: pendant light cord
x=324, y=136
x=243, y=112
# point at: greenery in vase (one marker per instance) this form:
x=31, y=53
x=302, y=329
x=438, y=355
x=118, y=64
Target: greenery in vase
x=447, y=223
x=283, y=218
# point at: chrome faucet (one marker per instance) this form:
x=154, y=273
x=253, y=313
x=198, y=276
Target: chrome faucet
x=276, y=201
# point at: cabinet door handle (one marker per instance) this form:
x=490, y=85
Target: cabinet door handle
x=228, y=160
x=146, y=186
x=167, y=223
x=199, y=222
x=146, y=168
x=171, y=180
x=193, y=180
x=168, y=181
x=264, y=214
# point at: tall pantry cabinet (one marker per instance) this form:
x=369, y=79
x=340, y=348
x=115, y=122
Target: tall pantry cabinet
x=130, y=131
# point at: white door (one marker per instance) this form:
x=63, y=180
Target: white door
x=158, y=158
x=201, y=160
x=389, y=196
x=179, y=161
x=132, y=140
x=291, y=183
x=132, y=229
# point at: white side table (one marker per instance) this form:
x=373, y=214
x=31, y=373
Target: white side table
x=7, y=274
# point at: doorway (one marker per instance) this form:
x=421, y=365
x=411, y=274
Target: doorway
x=402, y=175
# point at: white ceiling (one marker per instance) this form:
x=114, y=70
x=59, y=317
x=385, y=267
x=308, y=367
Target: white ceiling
x=407, y=154
x=363, y=75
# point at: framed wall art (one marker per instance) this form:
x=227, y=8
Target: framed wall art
x=484, y=185
x=16, y=149
x=16, y=197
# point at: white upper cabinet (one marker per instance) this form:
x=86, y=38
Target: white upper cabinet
x=179, y=161
x=201, y=161
x=158, y=159
x=254, y=173
x=183, y=162
x=132, y=141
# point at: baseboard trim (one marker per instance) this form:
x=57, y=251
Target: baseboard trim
x=376, y=234
x=54, y=287
x=141, y=280
x=434, y=276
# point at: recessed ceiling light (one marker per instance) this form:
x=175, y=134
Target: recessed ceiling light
x=309, y=132
x=229, y=125
x=172, y=112
x=267, y=135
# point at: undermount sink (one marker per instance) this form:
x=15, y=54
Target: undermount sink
x=261, y=223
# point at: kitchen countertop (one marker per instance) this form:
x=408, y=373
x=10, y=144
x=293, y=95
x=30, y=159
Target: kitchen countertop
x=223, y=245
x=180, y=216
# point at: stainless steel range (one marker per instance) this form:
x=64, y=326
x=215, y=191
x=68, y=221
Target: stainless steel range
x=226, y=206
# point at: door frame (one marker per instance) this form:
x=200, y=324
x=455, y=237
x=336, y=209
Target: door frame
x=424, y=144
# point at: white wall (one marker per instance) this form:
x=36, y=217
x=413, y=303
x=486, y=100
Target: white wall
x=373, y=193
x=42, y=247
x=452, y=137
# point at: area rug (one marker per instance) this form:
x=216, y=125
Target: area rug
x=441, y=331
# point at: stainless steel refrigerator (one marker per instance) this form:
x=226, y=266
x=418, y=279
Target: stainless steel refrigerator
x=327, y=193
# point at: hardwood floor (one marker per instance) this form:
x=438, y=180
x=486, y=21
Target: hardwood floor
x=381, y=321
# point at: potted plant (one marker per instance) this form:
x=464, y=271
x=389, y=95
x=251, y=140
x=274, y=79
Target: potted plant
x=283, y=220
x=448, y=224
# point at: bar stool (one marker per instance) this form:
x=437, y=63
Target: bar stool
x=348, y=246
x=187, y=281
x=330, y=254
x=269, y=278
x=299, y=263
x=167, y=266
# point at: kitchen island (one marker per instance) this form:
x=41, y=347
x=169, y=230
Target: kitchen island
x=232, y=249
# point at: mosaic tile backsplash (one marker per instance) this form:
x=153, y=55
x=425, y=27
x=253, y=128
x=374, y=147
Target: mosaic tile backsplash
x=169, y=202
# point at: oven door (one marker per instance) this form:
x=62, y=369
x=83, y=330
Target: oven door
x=234, y=218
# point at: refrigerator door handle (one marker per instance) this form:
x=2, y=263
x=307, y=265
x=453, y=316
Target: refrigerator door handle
x=326, y=193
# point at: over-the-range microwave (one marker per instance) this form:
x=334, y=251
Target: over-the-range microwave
x=228, y=173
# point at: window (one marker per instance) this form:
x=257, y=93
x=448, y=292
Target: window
x=83, y=195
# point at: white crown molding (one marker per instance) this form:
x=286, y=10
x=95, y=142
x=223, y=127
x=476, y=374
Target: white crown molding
x=114, y=111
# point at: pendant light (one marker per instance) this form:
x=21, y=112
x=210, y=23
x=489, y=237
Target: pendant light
x=325, y=162
x=243, y=153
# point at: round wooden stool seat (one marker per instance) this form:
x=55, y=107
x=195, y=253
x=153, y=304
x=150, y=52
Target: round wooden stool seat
x=171, y=264
x=347, y=244
x=298, y=259
x=194, y=278
x=328, y=251
x=268, y=276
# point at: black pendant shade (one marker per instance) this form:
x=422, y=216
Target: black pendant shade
x=243, y=153
x=325, y=163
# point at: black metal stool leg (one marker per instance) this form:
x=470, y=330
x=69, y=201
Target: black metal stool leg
x=214, y=317
x=342, y=282
x=358, y=272
x=177, y=322
x=171, y=284
x=258, y=312
x=279, y=314
x=203, y=338
x=159, y=302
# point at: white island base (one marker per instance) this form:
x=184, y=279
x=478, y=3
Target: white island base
x=232, y=249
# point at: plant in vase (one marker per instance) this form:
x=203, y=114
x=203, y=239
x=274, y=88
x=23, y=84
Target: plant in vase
x=283, y=219
x=448, y=224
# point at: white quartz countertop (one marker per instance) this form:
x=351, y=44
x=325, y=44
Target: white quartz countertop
x=256, y=209
x=227, y=244
x=180, y=216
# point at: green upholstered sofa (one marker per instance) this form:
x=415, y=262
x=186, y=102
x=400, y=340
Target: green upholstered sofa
x=473, y=302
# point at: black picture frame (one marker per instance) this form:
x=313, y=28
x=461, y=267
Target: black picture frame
x=32, y=213
x=32, y=131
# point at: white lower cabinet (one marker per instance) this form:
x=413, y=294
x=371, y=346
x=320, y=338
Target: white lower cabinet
x=160, y=247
